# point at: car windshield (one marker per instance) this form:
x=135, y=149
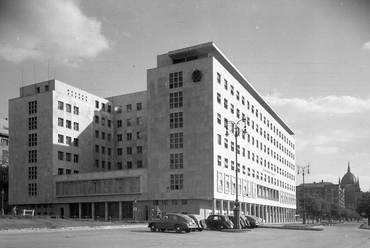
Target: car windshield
x=227, y=218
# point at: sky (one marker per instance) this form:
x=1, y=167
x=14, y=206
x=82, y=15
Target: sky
x=310, y=60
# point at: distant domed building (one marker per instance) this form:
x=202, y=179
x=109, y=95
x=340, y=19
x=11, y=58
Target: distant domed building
x=352, y=191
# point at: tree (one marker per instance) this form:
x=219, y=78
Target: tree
x=363, y=208
x=4, y=160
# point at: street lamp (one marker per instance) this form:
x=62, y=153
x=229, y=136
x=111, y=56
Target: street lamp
x=236, y=128
x=2, y=201
x=303, y=170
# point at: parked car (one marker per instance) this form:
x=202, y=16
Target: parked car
x=219, y=222
x=173, y=221
x=253, y=220
x=199, y=220
x=242, y=222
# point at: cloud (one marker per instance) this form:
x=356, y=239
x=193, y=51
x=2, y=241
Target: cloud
x=366, y=46
x=53, y=29
x=327, y=104
x=326, y=149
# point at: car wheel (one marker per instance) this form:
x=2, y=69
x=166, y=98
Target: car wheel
x=200, y=229
x=187, y=230
x=153, y=228
x=203, y=224
x=221, y=227
x=178, y=228
x=162, y=230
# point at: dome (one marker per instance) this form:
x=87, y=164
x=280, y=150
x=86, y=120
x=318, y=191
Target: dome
x=349, y=178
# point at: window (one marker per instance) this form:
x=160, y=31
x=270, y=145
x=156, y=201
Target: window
x=119, y=137
x=176, y=100
x=32, y=107
x=119, y=165
x=243, y=100
x=97, y=134
x=226, y=143
x=129, y=164
x=218, y=118
x=232, y=108
x=139, y=149
x=237, y=95
x=76, y=126
x=129, y=122
x=103, y=135
x=32, y=189
x=119, y=123
x=219, y=160
x=60, y=155
x=96, y=163
x=96, y=119
x=129, y=136
x=46, y=87
x=103, y=106
x=139, y=120
x=128, y=107
x=109, y=123
x=75, y=158
x=75, y=110
x=68, y=157
x=175, y=80
x=129, y=150
x=139, y=164
x=118, y=109
x=32, y=156
x=176, y=181
x=60, y=105
x=60, y=122
x=68, y=171
x=232, y=90
x=176, y=140
x=76, y=142
x=176, y=161
x=225, y=103
x=225, y=84
x=32, y=172
x=218, y=139
x=96, y=104
x=103, y=121
x=139, y=135
x=32, y=123
x=68, y=124
x=32, y=139
x=176, y=120
x=68, y=108
x=96, y=148
x=109, y=108
x=139, y=106
x=60, y=138
x=219, y=98
x=218, y=78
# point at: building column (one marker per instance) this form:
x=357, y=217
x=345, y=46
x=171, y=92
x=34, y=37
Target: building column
x=258, y=210
x=106, y=211
x=92, y=211
x=80, y=210
x=214, y=207
x=120, y=211
x=221, y=206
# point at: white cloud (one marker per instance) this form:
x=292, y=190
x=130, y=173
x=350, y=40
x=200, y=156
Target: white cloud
x=327, y=104
x=53, y=29
x=366, y=46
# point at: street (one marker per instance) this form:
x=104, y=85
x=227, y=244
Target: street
x=340, y=236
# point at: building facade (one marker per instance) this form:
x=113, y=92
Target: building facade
x=163, y=149
x=351, y=186
x=4, y=163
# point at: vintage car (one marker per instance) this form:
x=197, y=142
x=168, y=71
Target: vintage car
x=219, y=222
x=173, y=221
x=199, y=220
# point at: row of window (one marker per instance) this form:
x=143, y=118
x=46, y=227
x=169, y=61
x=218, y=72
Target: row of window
x=129, y=165
x=68, y=140
x=129, y=136
x=68, y=108
x=139, y=107
x=170, y=202
x=67, y=156
x=130, y=122
x=104, y=107
x=68, y=124
x=253, y=110
x=67, y=171
x=139, y=150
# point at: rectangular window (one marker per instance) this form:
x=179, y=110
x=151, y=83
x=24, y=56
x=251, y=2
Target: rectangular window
x=129, y=136
x=103, y=121
x=175, y=80
x=218, y=78
x=128, y=108
x=97, y=104
x=218, y=118
x=219, y=98
x=60, y=155
x=176, y=161
x=109, y=123
x=109, y=108
x=32, y=172
x=219, y=160
x=129, y=164
x=118, y=109
x=103, y=106
x=119, y=123
x=96, y=118
x=32, y=156
x=32, y=107
x=96, y=148
x=139, y=164
x=129, y=122
x=68, y=124
x=176, y=120
x=76, y=142
x=68, y=108
x=176, y=181
x=60, y=138
x=119, y=165
x=76, y=126
x=32, y=189
x=218, y=139
x=32, y=139
x=176, y=140
x=139, y=120
x=76, y=110
x=32, y=123
x=139, y=106
x=60, y=105
x=139, y=135
x=68, y=157
x=232, y=90
x=75, y=158
x=97, y=134
x=237, y=95
x=176, y=100
x=225, y=84
x=225, y=103
x=139, y=149
x=129, y=150
x=119, y=137
x=60, y=122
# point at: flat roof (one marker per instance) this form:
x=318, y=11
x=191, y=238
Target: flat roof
x=211, y=49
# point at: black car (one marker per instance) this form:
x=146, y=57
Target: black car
x=254, y=222
x=219, y=222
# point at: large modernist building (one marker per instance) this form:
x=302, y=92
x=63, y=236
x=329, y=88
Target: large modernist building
x=74, y=154
x=4, y=163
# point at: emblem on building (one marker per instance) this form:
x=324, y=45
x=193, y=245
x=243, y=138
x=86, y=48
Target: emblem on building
x=196, y=76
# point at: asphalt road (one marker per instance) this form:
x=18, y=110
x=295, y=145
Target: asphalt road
x=340, y=236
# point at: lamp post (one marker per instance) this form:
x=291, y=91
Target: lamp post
x=2, y=201
x=236, y=127
x=303, y=170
